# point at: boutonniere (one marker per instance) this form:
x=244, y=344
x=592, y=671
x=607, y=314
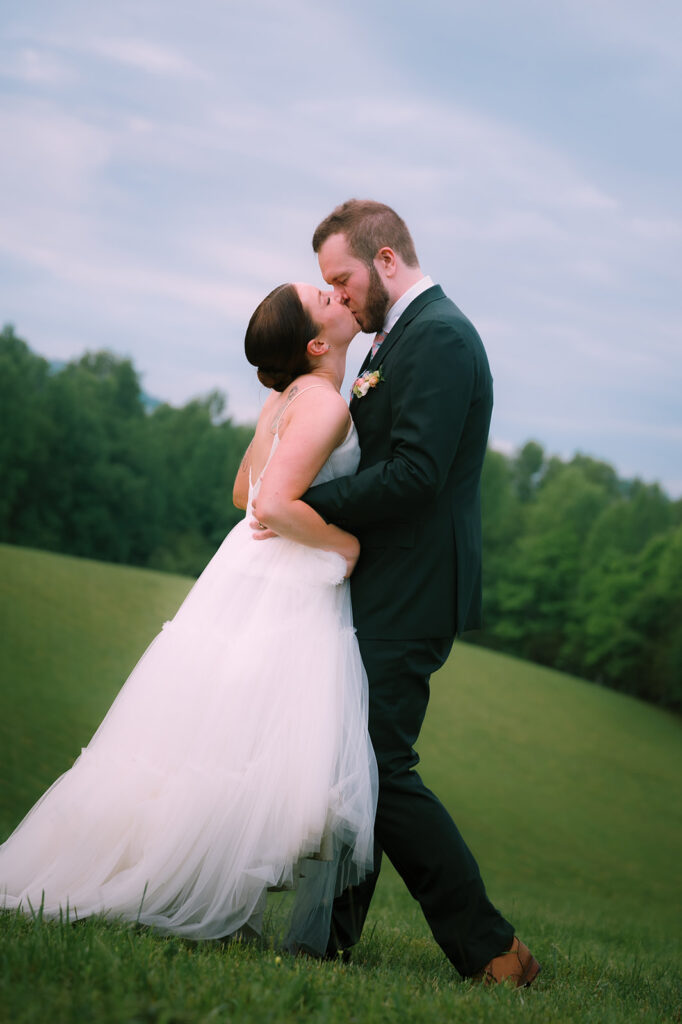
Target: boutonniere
x=368, y=379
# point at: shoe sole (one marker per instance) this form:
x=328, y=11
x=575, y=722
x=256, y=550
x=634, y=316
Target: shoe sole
x=530, y=974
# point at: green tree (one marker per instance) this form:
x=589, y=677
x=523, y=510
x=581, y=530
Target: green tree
x=98, y=501
x=198, y=454
x=23, y=427
x=581, y=570
x=543, y=572
x=630, y=634
x=627, y=525
x=527, y=469
x=502, y=516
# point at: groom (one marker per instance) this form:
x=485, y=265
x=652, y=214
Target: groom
x=422, y=406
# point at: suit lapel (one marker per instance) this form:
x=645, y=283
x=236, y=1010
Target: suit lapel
x=365, y=363
x=405, y=318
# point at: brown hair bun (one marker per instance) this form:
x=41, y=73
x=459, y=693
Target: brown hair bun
x=278, y=380
x=276, y=340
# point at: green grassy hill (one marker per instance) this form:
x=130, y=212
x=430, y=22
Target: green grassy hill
x=567, y=793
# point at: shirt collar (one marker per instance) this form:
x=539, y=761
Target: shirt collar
x=399, y=307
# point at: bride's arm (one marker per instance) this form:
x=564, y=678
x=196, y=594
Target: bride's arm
x=318, y=423
x=240, y=491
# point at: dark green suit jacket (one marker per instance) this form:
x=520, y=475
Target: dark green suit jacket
x=415, y=500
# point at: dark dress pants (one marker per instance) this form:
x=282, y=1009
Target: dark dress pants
x=412, y=827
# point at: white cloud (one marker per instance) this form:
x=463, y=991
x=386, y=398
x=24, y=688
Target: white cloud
x=143, y=55
x=103, y=272
x=503, y=446
x=659, y=230
x=54, y=154
x=166, y=185
x=38, y=67
x=632, y=27
x=603, y=426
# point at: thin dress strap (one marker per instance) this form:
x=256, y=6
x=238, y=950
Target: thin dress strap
x=276, y=438
x=299, y=393
x=311, y=388
x=290, y=401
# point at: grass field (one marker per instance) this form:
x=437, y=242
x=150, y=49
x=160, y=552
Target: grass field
x=567, y=793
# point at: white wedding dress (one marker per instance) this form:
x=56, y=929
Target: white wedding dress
x=235, y=759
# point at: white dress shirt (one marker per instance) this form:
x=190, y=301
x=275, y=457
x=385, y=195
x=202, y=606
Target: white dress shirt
x=403, y=302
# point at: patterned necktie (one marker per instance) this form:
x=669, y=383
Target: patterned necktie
x=376, y=344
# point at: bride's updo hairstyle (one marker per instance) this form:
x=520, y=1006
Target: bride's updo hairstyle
x=277, y=337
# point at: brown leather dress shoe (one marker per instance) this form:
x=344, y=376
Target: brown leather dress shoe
x=517, y=965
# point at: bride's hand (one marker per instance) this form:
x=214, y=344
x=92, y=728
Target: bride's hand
x=261, y=532
x=348, y=546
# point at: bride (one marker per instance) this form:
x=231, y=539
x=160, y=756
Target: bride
x=236, y=757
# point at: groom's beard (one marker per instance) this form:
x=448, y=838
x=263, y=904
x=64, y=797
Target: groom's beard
x=371, y=317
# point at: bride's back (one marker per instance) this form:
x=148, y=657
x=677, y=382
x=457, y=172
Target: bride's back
x=313, y=417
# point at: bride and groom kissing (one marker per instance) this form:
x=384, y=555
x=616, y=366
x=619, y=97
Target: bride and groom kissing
x=266, y=738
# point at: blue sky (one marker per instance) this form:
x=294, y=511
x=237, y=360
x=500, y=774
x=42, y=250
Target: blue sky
x=165, y=164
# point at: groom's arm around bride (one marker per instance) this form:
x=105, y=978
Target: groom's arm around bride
x=423, y=430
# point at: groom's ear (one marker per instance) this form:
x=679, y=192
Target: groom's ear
x=386, y=261
x=317, y=347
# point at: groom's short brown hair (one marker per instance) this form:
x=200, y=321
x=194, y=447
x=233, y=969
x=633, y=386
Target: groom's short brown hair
x=367, y=226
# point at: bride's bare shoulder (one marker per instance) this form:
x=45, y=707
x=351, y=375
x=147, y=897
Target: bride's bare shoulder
x=312, y=400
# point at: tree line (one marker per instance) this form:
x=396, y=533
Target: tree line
x=582, y=570
x=87, y=470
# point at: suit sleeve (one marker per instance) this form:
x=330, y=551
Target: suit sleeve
x=432, y=385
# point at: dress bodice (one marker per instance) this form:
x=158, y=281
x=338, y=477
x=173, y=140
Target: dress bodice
x=343, y=461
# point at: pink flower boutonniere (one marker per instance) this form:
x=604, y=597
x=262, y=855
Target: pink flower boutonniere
x=368, y=379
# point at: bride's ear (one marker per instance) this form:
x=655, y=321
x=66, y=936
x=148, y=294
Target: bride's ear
x=317, y=347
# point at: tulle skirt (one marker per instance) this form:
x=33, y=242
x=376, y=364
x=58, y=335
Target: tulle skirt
x=235, y=759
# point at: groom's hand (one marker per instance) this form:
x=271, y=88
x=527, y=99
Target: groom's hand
x=261, y=532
